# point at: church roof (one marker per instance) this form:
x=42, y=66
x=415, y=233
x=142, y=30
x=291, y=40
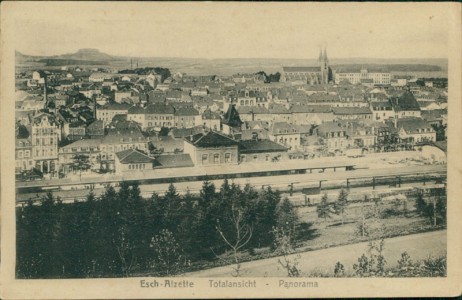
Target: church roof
x=301, y=69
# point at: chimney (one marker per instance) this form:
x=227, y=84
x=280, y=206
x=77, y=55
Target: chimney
x=45, y=95
x=94, y=108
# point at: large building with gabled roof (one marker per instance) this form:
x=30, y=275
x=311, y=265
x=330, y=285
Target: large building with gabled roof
x=211, y=148
x=133, y=160
x=406, y=105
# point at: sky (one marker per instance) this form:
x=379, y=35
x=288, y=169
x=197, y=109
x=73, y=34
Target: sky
x=234, y=30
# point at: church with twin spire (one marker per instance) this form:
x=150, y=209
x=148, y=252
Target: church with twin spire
x=321, y=74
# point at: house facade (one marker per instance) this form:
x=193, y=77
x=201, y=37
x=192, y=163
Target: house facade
x=211, y=148
x=45, y=136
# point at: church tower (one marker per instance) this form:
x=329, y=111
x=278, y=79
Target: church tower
x=326, y=74
x=324, y=64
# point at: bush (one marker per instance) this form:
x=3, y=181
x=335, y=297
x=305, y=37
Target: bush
x=339, y=270
x=389, y=212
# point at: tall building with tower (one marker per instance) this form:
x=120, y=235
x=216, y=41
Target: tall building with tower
x=321, y=74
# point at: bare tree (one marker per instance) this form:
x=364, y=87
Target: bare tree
x=283, y=242
x=242, y=235
x=169, y=257
x=125, y=251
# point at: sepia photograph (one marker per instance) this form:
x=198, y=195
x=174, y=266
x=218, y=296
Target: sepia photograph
x=223, y=149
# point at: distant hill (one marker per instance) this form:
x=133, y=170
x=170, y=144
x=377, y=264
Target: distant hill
x=81, y=57
x=87, y=54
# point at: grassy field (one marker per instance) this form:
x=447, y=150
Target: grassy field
x=331, y=232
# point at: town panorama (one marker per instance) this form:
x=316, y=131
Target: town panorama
x=125, y=168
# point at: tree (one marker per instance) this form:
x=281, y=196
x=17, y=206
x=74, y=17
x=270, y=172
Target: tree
x=28, y=242
x=362, y=228
x=169, y=259
x=339, y=269
x=237, y=239
x=264, y=210
x=420, y=204
x=323, y=208
x=205, y=220
x=341, y=203
x=374, y=263
x=436, y=210
x=286, y=216
x=170, y=206
x=186, y=223
x=441, y=209
x=163, y=131
x=125, y=250
x=284, y=246
x=81, y=162
x=48, y=232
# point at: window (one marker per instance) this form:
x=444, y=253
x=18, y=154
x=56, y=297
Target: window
x=205, y=159
x=227, y=157
x=267, y=157
x=20, y=154
x=216, y=158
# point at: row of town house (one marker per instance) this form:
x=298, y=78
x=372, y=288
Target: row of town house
x=108, y=117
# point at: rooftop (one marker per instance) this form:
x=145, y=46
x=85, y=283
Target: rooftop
x=301, y=69
x=351, y=110
x=130, y=156
x=259, y=146
x=211, y=139
x=174, y=161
